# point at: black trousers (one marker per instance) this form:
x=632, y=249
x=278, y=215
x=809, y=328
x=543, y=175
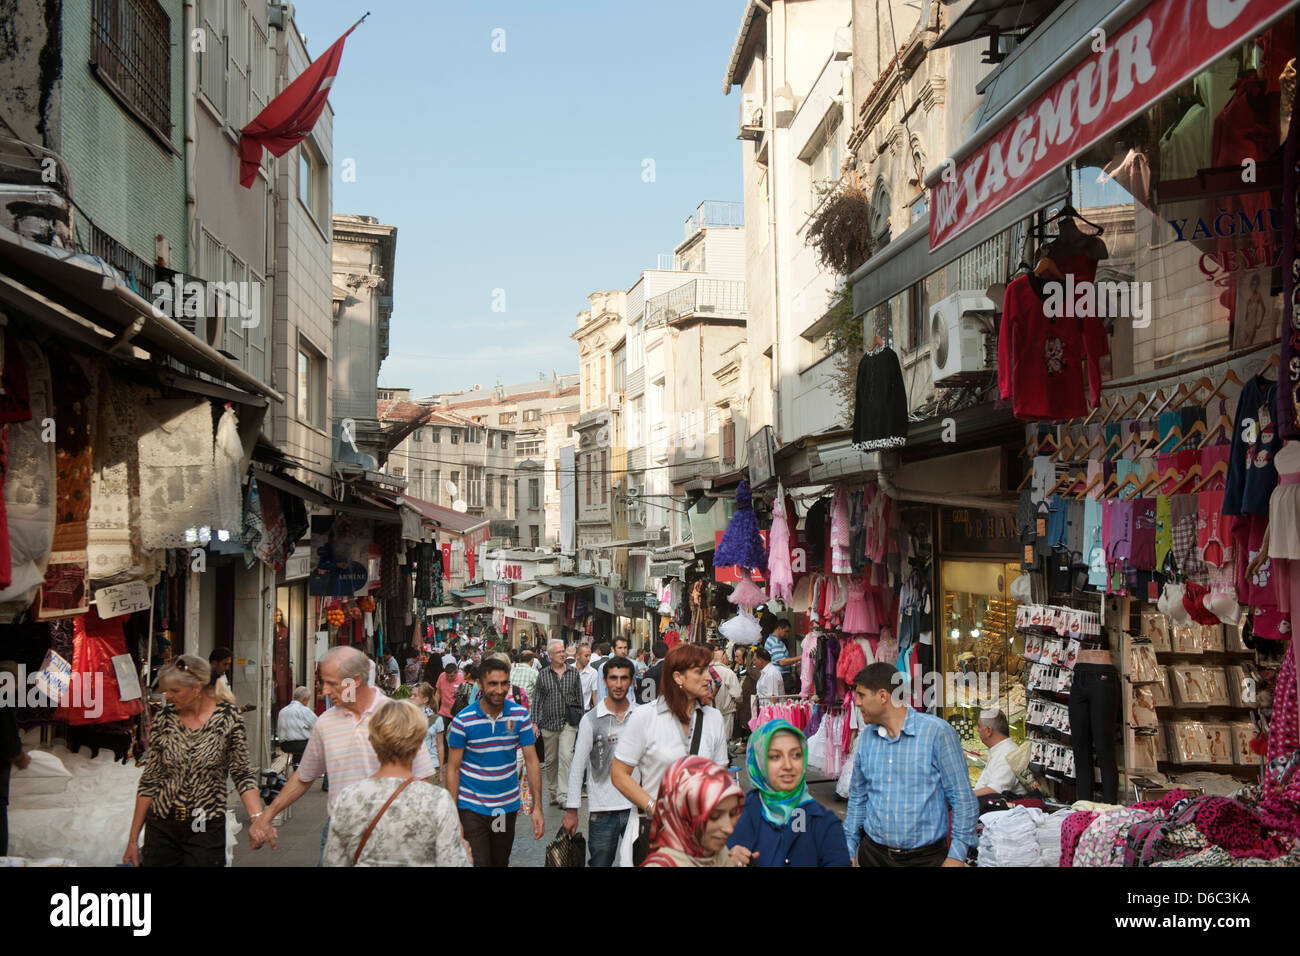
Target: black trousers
x=490, y=845
x=174, y=843
x=1094, y=721
x=295, y=748
x=871, y=853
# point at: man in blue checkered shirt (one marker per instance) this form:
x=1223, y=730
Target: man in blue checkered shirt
x=909, y=773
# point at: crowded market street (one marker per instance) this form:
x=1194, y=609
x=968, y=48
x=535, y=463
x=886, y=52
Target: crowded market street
x=463, y=435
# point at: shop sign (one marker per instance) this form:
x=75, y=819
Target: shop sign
x=55, y=676
x=964, y=531
x=122, y=599
x=298, y=565
x=527, y=614
x=605, y=599
x=1155, y=51
x=762, y=465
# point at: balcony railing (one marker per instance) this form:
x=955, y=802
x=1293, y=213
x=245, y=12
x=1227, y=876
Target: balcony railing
x=721, y=297
x=714, y=213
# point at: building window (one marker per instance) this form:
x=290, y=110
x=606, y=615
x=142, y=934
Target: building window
x=131, y=49
x=435, y=494
x=508, y=418
x=586, y=466
x=455, y=490
x=311, y=386
x=436, y=434
x=528, y=448
x=490, y=437
x=534, y=493
x=474, y=476
x=532, y=414
x=417, y=476
x=313, y=183
x=824, y=162
x=535, y=535
x=557, y=477
x=604, y=479
x=505, y=492
x=399, y=472
x=455, y=436
x=487, y=488
x=505, y=441
x=418, y=435
x=729, y=443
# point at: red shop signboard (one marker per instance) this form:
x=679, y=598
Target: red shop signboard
x=1155, y=51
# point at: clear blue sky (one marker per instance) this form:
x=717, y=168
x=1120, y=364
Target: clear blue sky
x=522, y=170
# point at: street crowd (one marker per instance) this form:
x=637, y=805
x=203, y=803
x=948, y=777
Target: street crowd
x=440, y=777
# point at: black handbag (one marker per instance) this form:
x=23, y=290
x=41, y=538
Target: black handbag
x=573, y=714
x=566, y=850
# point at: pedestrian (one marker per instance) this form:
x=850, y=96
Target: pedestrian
x=392, y=672
x=726, y=693
x=403, y=821
x=769, y=683
x=650, y=688
x=294, y=723
x=422, y=695
x=411, y=674
x=587, y=676
x=195, y=742
x=444, y=696
x=620, y=649
x=339, y=744
x=11, y=755
x=909, y=776
x=598, y=736
x=557, y=709
x=748, y=674
x=220, y=660
x=640, y=664
x=522, y=673
x=675, y=725
x=784, y=826
x=481, y=767
x=432, y=669
x=695, y=814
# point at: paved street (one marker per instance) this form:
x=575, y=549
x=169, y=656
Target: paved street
x=299, y=838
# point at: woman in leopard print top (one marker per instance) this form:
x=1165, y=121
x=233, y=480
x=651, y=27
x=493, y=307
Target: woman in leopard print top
x=196, y=740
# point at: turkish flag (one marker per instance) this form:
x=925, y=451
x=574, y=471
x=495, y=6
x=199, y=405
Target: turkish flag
x=289, y=117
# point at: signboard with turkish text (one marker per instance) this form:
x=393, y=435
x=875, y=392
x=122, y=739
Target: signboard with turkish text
x=1125, y=72
x=975, y=531
x=528, y=614
x=119, y=599
x=605, y=599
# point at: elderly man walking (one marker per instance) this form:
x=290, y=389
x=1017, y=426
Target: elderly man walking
x=339, y=743
x=558, y=690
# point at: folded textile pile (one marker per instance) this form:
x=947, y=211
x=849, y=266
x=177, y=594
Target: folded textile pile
x=1009, y=838
x=1048, y=835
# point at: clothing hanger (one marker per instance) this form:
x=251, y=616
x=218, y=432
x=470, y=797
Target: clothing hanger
x=1148, y=485
x=1067, y=480
x=1067, y=449
x=1171, y=474
x=1176, y=432
x=1270, y=363
x=1105, y=452
x=1094, y=445
x=1181, y=391
x=1023, y=481
x=1220, y=468
x=1093, y=414
x=1192, y=473
x=1129, y=479
x=1187, y=395
x=1124, y=447
x=1198, y=427
x=876, y=342
x=1066, y=214
x=1203, y=382
x=1087, y=489
x=1223, y=426
x=1158, y=394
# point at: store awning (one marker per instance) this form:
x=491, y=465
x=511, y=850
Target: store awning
x=567, y=581
x=466, y=593
x=529, y=594
x=307, y=493
x=55, y=286
x=1082, y=97
x=443, y=611
x=993, y=18
x=620, y=543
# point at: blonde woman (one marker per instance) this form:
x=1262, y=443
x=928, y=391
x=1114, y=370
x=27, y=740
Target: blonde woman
x=393, y=819
x=196, y=741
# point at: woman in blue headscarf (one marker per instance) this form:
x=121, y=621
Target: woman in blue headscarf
x=785, y=826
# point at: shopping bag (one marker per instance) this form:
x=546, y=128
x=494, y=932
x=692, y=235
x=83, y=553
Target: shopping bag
x=567, y=850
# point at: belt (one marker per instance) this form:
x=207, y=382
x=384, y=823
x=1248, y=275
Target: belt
x=185, y=815
x=905, y=854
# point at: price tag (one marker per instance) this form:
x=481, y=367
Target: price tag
x=119, y=599
x=55, y=676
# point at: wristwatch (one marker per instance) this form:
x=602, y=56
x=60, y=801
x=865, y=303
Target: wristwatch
x=650, y=808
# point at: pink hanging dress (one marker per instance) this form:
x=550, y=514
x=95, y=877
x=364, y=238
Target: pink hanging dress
x=840, y=563
x=779, y=575
x=856, y=614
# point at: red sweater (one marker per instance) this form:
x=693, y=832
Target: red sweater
x=1040, y=358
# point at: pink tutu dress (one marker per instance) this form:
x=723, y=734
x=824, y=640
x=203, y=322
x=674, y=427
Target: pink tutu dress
x=857, y=618
x=779, y=575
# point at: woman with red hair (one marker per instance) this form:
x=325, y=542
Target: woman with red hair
x=677, y=724
x=697, y=809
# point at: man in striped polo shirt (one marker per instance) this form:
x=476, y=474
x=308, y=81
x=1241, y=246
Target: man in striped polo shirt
x=481, y=756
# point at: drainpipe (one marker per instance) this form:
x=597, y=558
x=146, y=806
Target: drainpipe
x=191, y=131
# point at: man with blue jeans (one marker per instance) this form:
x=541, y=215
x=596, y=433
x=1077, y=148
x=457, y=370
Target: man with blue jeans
x=598, y=734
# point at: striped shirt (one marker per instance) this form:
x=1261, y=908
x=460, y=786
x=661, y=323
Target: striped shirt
x=340, y=746
x=903, y=787
x=489, y=782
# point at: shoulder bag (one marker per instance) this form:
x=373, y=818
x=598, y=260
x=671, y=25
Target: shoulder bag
x=370, y=829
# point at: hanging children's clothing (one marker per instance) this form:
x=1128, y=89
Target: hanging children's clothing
x=880, y=408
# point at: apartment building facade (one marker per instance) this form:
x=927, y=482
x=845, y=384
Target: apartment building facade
x=453, y=462
x=601, y=336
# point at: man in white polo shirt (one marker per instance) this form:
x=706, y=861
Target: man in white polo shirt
x=340, y=742
x=998, y=777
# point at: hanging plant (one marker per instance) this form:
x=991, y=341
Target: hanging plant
x=840, y=231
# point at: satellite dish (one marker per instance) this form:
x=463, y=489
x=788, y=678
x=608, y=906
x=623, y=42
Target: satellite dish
x=459, y=505
x=451, y=488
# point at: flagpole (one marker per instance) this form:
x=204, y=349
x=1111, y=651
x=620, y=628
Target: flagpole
x=358, y=23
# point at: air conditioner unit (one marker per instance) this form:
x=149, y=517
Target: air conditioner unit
x=615, y=400
x=957, y=327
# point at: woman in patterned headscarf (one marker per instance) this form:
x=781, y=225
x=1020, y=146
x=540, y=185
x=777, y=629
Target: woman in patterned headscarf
x=785, y=826
x=696, y=811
